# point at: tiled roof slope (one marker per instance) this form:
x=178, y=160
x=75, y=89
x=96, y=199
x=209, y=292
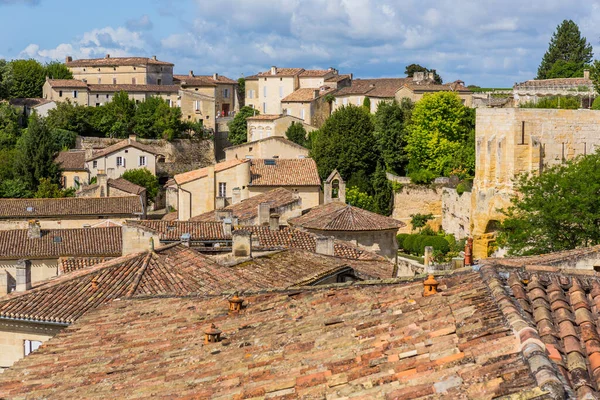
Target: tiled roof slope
x=559, y=258
x=69, y=207
x=269, y=139
x=282, y=72
x=315, y=73
x=115, y=61
x=432, y=87
x=203, y=80
x=546, y=83
x=358, y=341
x=265, y=117
x=248, y=209
x=125, y=186
x=121, y=145
x=55, y=243
x=71, y=160
x=189, y=176
x=172, y=230
x=385, y=87
x=305, y=95
x=173, y=269
x=67, y=83
x=337, y=216
x=70, y=264
x=284, y=172
x=133, y=88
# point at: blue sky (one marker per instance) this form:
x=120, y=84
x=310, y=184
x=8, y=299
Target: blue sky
x=487, y=43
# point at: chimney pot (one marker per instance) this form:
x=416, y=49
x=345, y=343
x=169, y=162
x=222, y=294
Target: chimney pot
x=151, y=244
x=95, y=283
x=154, y=58
x=191, y=74
x=186, y=239
x=133, y=137
x=469, y=252
x=430, y=286
x=325, y=245
x=227, y=226
x=23, y=275
x=34, y=231
x=235, y=303
x=212, y=335
x=273, y=70
x=102, y=182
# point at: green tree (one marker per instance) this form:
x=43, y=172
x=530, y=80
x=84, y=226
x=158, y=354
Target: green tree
x=143, y=177
x=36, y=153
x=72, y=117
x=238, y=127
x=155, y=119
x=383, y=195
x=570, y=48
x=359, y=199
x=10, y=130
x=14, y=189
x=50, y=190
x=420, y=220
x=391, y=120
x=241, y=90
x=412, y=68
x=345, y=142
x=440, y=126
x=58, y=70
x=296, y=133
x=367, y=103
x=3, y=79
x=119, y=116
x=25, y=78
x=555, y=211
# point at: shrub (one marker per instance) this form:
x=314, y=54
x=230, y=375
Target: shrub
x=408, y=243
x=422, y=177
x=596, y=104
x=438, y=243
x=400, y=239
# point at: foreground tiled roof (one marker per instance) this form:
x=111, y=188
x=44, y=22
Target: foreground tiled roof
x=133, y=88
x=173, y=230
x=122, y=145
x=71, y=160
x=116, y=61
x=185, y=177
x=362, y=341
x=338, y=216
x=284, y=172
x=125, y=186
x=70, y=264
x=305, y=95
x=174, y=269
x=69, y=207
x=559, y=258
x=67, y=83
x=55, y=243
x=247, y=209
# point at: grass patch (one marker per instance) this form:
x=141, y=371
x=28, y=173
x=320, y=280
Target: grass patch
x=414, y=258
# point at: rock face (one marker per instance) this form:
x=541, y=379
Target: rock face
x=514, y=141
x=417, y=199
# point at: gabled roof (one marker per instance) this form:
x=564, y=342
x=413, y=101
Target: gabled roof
x=270, y=138
x=337, y=216
x=116, y=61
x=281, y=72
x=70, y=207
x=364, y=340
x=71, y=160
x=186, y=177
x=380, y=87
x=55, y=243
x=556, y=83
x=123, y=144
x=305, y=95
x=133, y=88
x=28, y=101
x=247, y=209
x=337, y=78
x=126, y=186
x=315, y=73
x=432, y=87
x=202, y=80
x=284, y=172
x=70, y=264
x=67, y=83
x=173, y=230
x=267, y=117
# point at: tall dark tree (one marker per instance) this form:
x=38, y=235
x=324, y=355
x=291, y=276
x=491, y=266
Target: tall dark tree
x=412, y=68
x=58, y=70
x=382, y=191
x=238, y=127
x=296, y=133
x=569, y=49
x=3, y=79
x=241, y=90
x=37, y=150
x=391, y=119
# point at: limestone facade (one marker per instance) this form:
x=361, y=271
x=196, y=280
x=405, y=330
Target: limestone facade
x=513, y=141
x=456, y=213
x=272, y=147
x=417, y=199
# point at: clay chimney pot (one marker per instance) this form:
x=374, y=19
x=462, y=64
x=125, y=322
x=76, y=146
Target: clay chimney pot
x=430, y=286
x=235, y=303
x=212, y=335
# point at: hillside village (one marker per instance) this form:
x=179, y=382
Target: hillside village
x=295, y=233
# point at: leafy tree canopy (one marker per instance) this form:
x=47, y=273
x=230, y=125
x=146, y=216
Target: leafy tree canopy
x=412, y=68
x=25, y=78
x=391, y=121
x=58, y=70
x=359, y=199
x=49, y=190
x=238, y=127
x=143, y=177
x=570, y=49
x=296, y=133
x=555, y=211
x=564, y=102
x=10, y=129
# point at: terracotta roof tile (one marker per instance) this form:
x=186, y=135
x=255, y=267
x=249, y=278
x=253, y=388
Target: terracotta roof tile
x=126, y=186
x=173, y=230
x=337, y=216
x=431, y=87
x=337, y=78
x=361, y=341
x=549, y=83
x=306, y=95
x=116, y=61
x=247, y=210
x=265, y=117
x=71, y=160
x=70, y=206
x=133, y=88
x=384, y=87
x=185, y=177
x=70, y=264
x=202, y=80
x=314, y=73
x=55, y=243
x=282, y=72
x=122, y=145
x=270, y=138
x=284, y=172
x=67, y=83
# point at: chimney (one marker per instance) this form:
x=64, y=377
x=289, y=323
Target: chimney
x=432, y=75
x=107, y=56
x=418, y=76
x=191, y=74
x=316, y=93
x=89, y=152
x=273, y=70
x=4, y=283
x=586, y=74
x=427, y=258
x=68, y=59
x=236, y=195
x=274, y=222
x=241, y=243
x=325, y=245
x=430, y=286
x=186, y=239
x=212, y=335
x=102, y=182
x=132, y=138
x=227, y=223
x=264, y=213
x=235, y=303
x=220, y=203
x=34, y=231
x=469, y=252
x=23, y=275
x=154, y=58
x=215, y=76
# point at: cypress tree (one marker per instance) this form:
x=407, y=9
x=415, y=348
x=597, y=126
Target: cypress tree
x=568, y=53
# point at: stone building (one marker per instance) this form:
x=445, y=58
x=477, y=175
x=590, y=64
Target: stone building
x=263, y=126
x=121, y=70
x=74, y=172
x=521, y=140
x=536, y=89
x=270, y=147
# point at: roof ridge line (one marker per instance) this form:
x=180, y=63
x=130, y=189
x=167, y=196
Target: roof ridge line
x=139, y=276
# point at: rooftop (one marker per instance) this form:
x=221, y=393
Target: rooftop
x=270, y=138
x=456, y=86
x=552, y=83
x=70, y=207
x=122, y=145
x=315, y=73
x=71, y=160
x=337, y=216
x=55, y=243
x=173, y=230
x=265, y=117
x=305, y=95
x=281, y=72
x=28, y=101
x=284, y=172
x=70, y=264
x=383, y=87
x=133, y=88
x=186, y=177
x=363, y=340
x=67, y=83
x=202, y=80
x=126, y=186
x=116, y=61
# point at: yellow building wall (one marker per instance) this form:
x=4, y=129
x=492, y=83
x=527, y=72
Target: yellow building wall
x=13, y=335
x=40, y=269
x=205, y=111
x=272, y=101
x=299, y=110
x=347, y=100
x=266, y=149
x=311, y=196
x=62, y=223
x=63, y=94
x=125, y=74
x=69, y=178
x=312, y=82
x=252, y=99
x=109, y=163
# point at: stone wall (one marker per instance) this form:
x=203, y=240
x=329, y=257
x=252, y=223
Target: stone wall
x=417, y=199
x=456, y=213
x=520, y=140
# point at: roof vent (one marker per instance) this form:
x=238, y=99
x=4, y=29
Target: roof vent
x=186, y=239
x=57, y=239
x=235, y=303
x=212, y=335
x=269, y=161
x=430, y=286
x=29, y=209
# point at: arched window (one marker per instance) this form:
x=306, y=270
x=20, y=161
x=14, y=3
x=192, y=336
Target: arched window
x=335, y=189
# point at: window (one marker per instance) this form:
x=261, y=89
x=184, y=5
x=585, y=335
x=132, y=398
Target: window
x=107, y=96
x=120, y=162
x=97, y=96
x=77, y=182
x=133, y=81
x=97, y=104
x=30, y=346
x=264, y=91
x=197, y=105
x=169, y=102
x=142, y=161
x=250, y=94
x=225, y=93
x=74, y=94
x=264, y=108
x=99, y=81
x=114, y=81
x=302, y=113
x=159, y=81
x=280, y=91
x=95, y=164
x=222, y=189
x=60, y=93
